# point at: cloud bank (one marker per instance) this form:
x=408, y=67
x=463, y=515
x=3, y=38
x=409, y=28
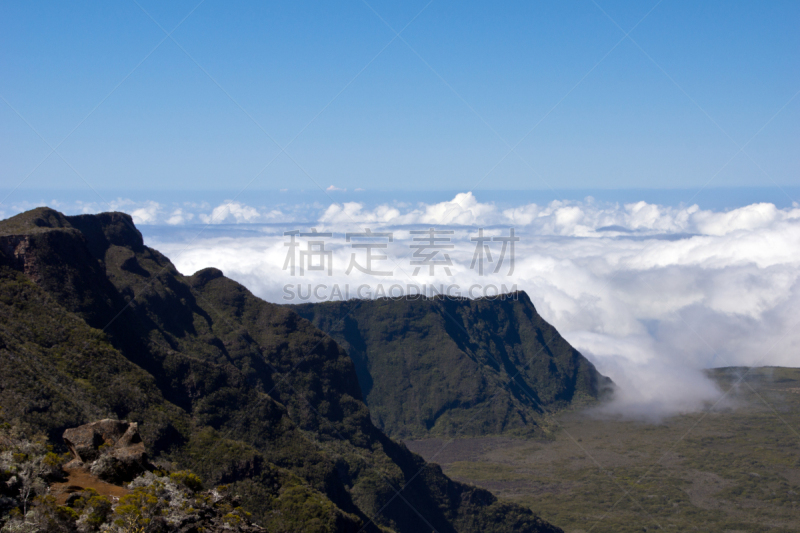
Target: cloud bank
x=652, y=294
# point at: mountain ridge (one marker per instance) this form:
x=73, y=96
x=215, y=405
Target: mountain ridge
x=97, y=325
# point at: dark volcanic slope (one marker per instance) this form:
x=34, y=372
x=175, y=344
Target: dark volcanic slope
x=460, y=367
x=237, y=389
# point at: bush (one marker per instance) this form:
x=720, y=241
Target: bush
x=95, y=509
x=136, y=511
x=187, y=479
x=49, y=517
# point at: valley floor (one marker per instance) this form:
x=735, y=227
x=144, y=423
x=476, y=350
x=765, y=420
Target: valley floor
x=732, y=469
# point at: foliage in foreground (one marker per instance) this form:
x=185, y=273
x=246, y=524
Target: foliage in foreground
x=157, y=502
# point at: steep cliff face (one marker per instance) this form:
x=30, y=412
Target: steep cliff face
x=97, y=325
x=458, y=367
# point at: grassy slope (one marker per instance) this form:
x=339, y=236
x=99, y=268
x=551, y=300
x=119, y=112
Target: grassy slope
x=457, y=367
x=237, y=389
x=732, y=469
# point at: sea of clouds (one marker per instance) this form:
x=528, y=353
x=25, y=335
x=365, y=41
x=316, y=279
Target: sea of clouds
x=651, y=294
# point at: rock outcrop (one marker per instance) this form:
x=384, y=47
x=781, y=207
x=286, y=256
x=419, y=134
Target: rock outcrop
x=112, y=450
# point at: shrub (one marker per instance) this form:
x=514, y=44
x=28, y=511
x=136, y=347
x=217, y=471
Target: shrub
x=136, y=511
x=49, y=517
x=187, y=479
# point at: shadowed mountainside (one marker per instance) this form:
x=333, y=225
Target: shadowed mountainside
x=93, y=324
x=458, y=367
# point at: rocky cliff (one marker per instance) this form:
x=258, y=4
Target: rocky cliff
x=458, y=367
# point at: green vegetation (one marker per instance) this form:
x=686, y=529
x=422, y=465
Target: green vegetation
x=93, y=324
x=458, y=367
x=735, y=468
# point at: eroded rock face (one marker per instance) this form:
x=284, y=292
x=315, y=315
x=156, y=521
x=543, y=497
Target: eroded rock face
x=111, y=449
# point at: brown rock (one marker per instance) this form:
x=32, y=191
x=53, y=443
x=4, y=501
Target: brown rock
x=84, y=441
x=113, y=449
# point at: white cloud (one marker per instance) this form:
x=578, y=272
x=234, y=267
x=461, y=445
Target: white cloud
x=179, y=216
x=148, y=214
x=354, y=213
x=237, y=213
x=464, y=209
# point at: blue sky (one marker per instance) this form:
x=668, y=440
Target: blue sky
x=437, y=109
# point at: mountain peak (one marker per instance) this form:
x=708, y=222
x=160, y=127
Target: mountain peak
x=34, y=221
x=108, y=229
x=201, y=277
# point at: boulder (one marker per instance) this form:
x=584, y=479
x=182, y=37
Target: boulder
x=111, y=449
x=85, y=442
